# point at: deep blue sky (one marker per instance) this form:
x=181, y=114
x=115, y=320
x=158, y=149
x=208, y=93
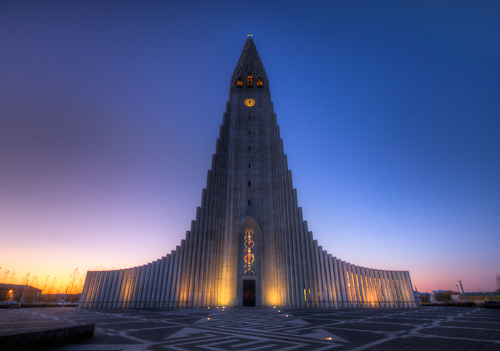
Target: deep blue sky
x=389, y=112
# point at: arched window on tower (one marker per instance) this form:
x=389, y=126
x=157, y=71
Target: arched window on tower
x=240, y=83
x=259, y=83
x=249, y=81
x=249, y=251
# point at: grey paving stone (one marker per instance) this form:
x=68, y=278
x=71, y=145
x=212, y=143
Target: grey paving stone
x=267, y=329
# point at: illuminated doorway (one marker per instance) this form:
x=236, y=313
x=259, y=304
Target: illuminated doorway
x=248, y=293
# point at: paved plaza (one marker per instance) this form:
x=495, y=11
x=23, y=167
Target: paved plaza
x=427, y=328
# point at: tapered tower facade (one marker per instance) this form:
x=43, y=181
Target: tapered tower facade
x=249, y=245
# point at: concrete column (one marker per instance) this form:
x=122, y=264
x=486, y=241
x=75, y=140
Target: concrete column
x=163, y=296
x=161, y=283
x=395, y=288
x=200, y=288
x=110, y=289
x=175, y=281
x=324, y=277
x=118, y=287
x=192, y=261
x=211, y=262
x=199, y=260
x=292, y=269
x=354, y=285
x=310, y=276
x=340, y=281
x=346, y=284
x=410, y=287
x=103, y=287
x=154, y=284
x=138, y=286
x=145, y=286
x=170, y=275
x=328, y=276
x=298, y=247
x=315, y=289
x=383, y=287
x=366, y=286
x=196, y=260
x=375, y=288
x=179, y=278
x=360, y=286
x=186, y=267
x=402, y=290
x=85, y=291
x=335, y=276
x=127, y=285
x=319, y=275
x=96, y=278
x=388, y=288
x=304, y=256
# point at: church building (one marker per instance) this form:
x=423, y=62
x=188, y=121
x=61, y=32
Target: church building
x=249, y=245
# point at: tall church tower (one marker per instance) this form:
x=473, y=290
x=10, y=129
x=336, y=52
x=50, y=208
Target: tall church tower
x=249, y=245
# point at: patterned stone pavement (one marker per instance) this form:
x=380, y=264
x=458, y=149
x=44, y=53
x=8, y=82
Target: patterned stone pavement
x=427, y=328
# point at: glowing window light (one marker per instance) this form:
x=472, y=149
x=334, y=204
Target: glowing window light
x=249, y=254
x=240, y=83
x=249, y=81
x=259, y=83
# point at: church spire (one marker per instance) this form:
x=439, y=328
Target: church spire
x=249, y=74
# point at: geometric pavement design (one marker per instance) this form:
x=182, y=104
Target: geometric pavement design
x=426, y=328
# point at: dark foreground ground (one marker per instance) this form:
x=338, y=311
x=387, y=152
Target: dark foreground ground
x=427, y=328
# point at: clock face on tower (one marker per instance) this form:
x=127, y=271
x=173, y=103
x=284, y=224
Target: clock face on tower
x=249, y=102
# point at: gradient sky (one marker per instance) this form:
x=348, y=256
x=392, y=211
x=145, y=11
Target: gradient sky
x=389, y=112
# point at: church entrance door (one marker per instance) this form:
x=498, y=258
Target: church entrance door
x=248, y=293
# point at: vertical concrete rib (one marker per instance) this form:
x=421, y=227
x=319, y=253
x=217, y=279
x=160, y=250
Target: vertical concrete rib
x=380, y=283
x=364, y=287
x=85, y=291
x=196, y=260
x=103, y=289
x=310, y=267
x=96, y=278
x=159, y=286
x=298, y=247
x=338, y=284
x=334, y=277
x=164, y=293
x=170, y=275
x=343, y=283
x=351, y=270
x=374, y=288
x=140, y=283
x=346, y=284
x=402, y=290
x=174, y=297
x=145, y=286
x=327, y=279
x=126, y=286
x=396, y=288
x=154, y=285
x=319, y=297
x=359, y=286
x=186, y=266
x=116, y=293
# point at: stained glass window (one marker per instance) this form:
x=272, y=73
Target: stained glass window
x=249, y=254
x=259, y=83
x=240, y=83
x=249, y=81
